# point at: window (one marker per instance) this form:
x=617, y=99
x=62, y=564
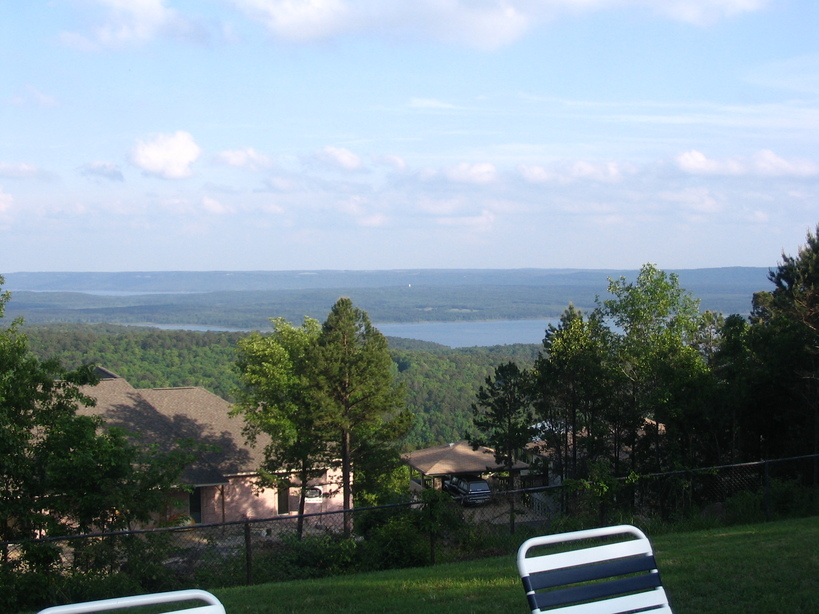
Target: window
x=283, y=501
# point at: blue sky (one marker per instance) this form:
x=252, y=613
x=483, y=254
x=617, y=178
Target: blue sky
x=373, y=134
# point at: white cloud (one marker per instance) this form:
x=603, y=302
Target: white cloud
x=167, y=155
x=703, y=12
x=763, y=163
x=130, y=21
x=482, y=223
x=489, y=24
x=211, y=205
x=481, y=173
x=299, y=20
x=20, y=170
x=396, y=162
x=339, y=157
x=247, y=158
x=105, y=170
x=696, y=163
x=767, y=162
x=568, y=172
x=698, y=200
x=31, y=96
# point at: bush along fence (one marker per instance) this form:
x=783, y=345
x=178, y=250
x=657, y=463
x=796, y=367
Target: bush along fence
x=429, y=529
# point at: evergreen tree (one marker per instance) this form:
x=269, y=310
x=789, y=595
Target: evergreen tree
x=504, y=419
x=575, y=386
x=786, y=331
x=355, y=383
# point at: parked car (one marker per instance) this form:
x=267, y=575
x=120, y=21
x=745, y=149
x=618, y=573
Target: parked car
x=468, y=489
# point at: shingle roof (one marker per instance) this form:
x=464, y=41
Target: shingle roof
x=164, y=416
x=454, y=458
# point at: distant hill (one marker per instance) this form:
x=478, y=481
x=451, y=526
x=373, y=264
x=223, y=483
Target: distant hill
x=220, y=281
x=246, y=299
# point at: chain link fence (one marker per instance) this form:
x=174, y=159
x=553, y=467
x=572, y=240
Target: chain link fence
x=433, y=528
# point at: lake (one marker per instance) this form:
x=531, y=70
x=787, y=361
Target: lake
x=451, y=334
x=468, y=334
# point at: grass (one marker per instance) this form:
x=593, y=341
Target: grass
x=761, y=568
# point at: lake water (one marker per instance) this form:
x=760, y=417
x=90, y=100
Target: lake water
x=468, y=334
x=452, y=334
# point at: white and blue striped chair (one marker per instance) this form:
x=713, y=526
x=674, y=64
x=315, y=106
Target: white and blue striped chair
x=612, y=572
x=213, y=605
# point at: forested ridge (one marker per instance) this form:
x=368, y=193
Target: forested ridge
x=647, y=379
x=246, y=300
x=441, y=382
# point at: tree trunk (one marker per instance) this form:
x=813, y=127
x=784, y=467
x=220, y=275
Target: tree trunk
x=346, y=481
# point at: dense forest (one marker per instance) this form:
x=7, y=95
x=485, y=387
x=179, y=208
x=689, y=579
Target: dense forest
x=441, y=382
x=641, y=379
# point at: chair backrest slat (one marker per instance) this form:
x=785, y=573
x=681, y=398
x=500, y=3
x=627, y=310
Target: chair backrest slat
x=590, y=554
x=588, y=573
x=592, y=578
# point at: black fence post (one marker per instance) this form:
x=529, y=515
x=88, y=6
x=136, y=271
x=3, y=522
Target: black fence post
x=767, y=491
x=248, y=555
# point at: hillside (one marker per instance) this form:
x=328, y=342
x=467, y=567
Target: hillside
x=246, y=300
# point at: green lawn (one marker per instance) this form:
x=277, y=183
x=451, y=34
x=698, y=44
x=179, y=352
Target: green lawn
x=748, y=569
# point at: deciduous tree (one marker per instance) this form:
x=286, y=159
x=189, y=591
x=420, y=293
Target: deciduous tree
x=277, y=396
x=60, y=472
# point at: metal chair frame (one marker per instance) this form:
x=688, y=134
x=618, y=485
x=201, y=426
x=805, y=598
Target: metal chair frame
x=213, y=606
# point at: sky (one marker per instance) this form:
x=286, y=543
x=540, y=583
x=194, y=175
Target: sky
x=150, y=135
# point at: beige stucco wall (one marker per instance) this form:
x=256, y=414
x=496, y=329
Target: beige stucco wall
x=241, y=499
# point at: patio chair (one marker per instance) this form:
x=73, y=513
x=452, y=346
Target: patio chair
x=598, y=576
x=213, y=605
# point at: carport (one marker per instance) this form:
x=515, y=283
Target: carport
x=429, y=466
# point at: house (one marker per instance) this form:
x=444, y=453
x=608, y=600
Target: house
x=429, y=467
x=223, y=480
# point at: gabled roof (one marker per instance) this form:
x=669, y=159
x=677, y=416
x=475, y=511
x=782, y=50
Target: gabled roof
x=164, y=416
x=455, y=458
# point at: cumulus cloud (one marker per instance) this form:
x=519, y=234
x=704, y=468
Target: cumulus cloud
x=247, y=158
x=299, y=20
x=768, y=163
x=489, y=24
x=481, y=173
x=166, y=155
x=395, y=162
x=568, y=172
x=483, y=222
x=130, y=21
x=340, y=158
x=20, y=170
x=763, y=163
x=211, y=205
x=104, y=170
x=703, y=12
x=30, y=96
x=698, y=200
